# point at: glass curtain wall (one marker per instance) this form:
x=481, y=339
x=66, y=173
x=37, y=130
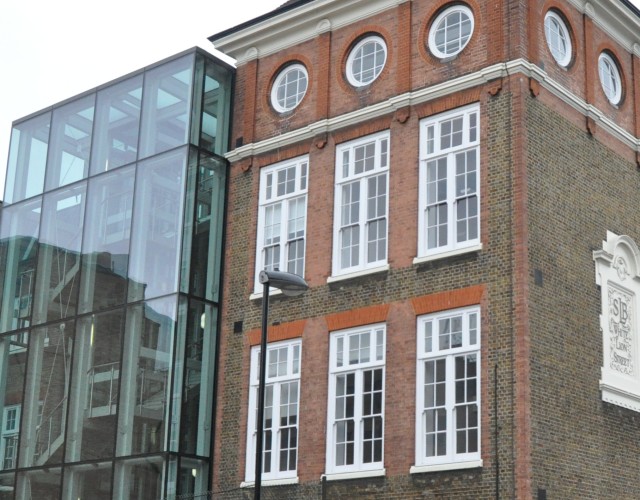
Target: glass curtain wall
x=110, y=260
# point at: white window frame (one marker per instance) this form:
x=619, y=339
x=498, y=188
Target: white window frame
x=437, y=26
x=558, y=38
x=610, y=78
x=469, y=345
x=291, y=227
x=281, y=84
x=346, y=168
x=358, y=78
x=278, y=378
x=370, y=360
x=432, y=150
x=10, y=433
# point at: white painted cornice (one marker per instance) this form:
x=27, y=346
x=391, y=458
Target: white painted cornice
x=298, y=25
x=615, y=19
x=479, y=78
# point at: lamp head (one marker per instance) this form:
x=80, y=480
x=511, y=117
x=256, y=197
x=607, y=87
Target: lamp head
x=290, y=284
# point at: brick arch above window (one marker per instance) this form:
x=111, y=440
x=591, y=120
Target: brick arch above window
x=277, y=69
x=355, y=38
x=430, y=18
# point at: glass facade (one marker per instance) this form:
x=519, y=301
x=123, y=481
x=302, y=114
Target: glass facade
x=110, y=257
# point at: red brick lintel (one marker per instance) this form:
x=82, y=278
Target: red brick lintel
x=448, y=300
x=357, y=317
x=275, y=333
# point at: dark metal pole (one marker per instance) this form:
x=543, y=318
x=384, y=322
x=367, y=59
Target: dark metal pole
x=261, y=391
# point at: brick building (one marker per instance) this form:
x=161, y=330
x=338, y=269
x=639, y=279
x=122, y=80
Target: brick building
x=471, y=331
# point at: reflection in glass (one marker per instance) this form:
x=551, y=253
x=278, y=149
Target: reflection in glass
x=59, y=254
x=202, y=240
x=157, y=222
x=70, y=143
x=13, y=362
x=106, y=240
x=196, y=347
x=94, y=387
x=27, y=159
x=46, y=395
x=6, y=486
x=117, y=123
x=139, y=479
x=91, y=481
x=166, y=104
x=35, y=484
x=146, y=377
x=18, y=257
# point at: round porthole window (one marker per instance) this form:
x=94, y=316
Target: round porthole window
x=289, y=88
x=451, y=31
x=366, y=61
x=610, y=78
x=558, y=39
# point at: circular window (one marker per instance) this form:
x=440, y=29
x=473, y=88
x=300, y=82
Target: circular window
x=610, y=78
x=366, y=61
x=289, y=88
x=558, y=39
x=451, y=31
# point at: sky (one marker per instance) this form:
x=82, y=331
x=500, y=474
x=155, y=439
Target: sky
x=53, y=50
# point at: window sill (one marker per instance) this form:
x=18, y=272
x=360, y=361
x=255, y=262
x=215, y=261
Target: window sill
x=272, y=292
x=357, y=274
x=418, y=469
x=449, y=253
x=340, y=476
x=271, y=482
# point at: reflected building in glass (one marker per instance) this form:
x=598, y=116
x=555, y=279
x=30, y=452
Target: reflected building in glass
x=111, y=238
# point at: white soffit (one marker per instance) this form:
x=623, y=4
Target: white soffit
x=297, y=25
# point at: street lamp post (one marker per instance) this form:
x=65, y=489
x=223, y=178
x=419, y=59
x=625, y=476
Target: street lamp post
x=291, y=285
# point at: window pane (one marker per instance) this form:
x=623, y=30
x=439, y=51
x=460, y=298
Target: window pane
x=117, y=125
x=59, y=255
x=158, y=217
x=70, y=143
x=166, y=105
x=18, y=253
x=27, y=159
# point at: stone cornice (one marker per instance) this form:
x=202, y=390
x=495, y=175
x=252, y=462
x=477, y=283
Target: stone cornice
x=298, y=25
x=613, y=18
x=518, y=66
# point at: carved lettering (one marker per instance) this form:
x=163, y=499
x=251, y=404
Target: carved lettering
x=621, y=338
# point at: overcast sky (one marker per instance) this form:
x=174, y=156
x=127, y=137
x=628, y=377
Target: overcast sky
x=52, y=50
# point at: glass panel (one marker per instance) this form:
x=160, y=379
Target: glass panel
x=166, y=105
x=13, y=361
x=94, y=387
x=106, y=240
x=146, y=377
x=117, y=124
x=46, y=395
x=40, y=484
x=88, y=481
x=193, y=478
x=18, y=257
x=139, y=479
x=157, y=222
x=216, y=108
x=27, y=159
x=59, y=254
x=197, y=388
x=204, y=215
x=70, y=143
